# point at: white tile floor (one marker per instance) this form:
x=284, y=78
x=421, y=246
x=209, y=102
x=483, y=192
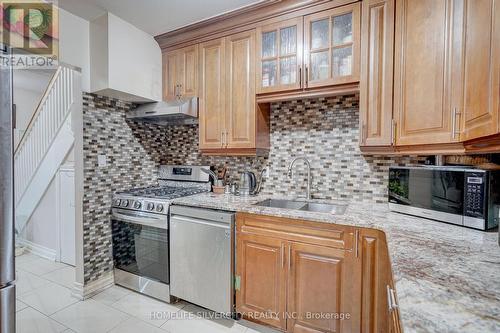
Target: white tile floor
x=45, y=305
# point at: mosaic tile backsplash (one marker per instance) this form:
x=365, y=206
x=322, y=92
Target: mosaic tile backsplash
x=324, y=130
x=133, y=152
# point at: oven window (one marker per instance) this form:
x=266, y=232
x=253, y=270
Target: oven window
x=141, y=250
x=430, y=189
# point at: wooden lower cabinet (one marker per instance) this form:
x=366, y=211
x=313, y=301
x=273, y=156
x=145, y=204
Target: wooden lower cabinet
x=321, y=285
x=301, y=276
x=260, y=266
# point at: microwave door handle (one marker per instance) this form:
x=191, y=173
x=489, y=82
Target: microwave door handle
x=146, y=221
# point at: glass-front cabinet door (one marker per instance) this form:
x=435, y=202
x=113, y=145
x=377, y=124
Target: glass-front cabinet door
x=332, y=45
x=279, y=56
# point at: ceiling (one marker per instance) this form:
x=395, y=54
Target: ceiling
x=154, y=16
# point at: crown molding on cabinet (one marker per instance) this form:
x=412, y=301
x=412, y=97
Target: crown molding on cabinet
x=242, y=19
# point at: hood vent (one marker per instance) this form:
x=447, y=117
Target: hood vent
x=183, y=111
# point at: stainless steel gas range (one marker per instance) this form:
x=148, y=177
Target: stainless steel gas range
x=140, y=223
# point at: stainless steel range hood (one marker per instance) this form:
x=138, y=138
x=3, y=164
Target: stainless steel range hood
x=183, y=111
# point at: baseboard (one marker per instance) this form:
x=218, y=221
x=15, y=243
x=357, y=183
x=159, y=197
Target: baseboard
x=38, y=249
x=83, y=292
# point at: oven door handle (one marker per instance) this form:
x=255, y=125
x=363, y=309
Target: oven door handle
x=146, y=221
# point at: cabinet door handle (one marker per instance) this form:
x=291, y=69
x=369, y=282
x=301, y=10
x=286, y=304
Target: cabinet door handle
x=307, y=76
x=282, y=256
x=393, y=132
x=454, y=123
x=300, y=76
x=289, y=257
x=363, y=133
x=222, y=139
x=356, y=243
x=391, y=299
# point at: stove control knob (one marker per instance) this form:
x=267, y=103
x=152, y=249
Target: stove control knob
x=118, y=202
x=151, y=206
x=159, y=208
x=137, y=205
x=124, y=203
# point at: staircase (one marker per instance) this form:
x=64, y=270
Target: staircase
x=45, y=143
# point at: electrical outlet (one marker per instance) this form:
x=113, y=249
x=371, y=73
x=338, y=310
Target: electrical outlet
x=102, y=160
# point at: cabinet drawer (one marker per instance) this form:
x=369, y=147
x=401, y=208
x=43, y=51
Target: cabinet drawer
x=316, y=233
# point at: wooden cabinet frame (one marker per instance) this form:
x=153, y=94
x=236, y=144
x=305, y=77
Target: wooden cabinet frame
x=355, y=44
x=298, y=22
x=240, y=124
x=212, y=112
x=481, y=106
x=424, y=76
x=232, y=123
x=322, y=267
x=454, y=110
x=180, y=73
x=267, y=300
x=377, y=73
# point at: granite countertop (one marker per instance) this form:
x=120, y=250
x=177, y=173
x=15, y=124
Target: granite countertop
x=447, y=277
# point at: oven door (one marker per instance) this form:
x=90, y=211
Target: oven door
x=140, y=244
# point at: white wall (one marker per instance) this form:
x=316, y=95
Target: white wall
x=26, y=101
x=74, y=44
x=41, y=228
x=28, y=88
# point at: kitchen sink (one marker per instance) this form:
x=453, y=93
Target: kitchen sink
x=325, y=208
x=304, y=206
x=278, y=203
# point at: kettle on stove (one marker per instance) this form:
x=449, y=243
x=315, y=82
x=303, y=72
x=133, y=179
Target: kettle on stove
x=248, y=183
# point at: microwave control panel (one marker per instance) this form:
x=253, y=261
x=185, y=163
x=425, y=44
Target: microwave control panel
x=475, y=193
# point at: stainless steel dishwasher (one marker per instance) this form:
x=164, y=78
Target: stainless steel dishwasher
x=201, y=257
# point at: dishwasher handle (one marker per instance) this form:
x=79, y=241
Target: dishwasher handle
x=186, y=219
x=203, y=214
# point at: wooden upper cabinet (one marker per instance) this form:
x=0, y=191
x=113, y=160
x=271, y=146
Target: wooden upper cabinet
x=212, y=94
x=377, y=74
x=262, y=270
x=279, y=56
x=231, y=123
x=331, y=46
x=170, y=62
x=320, y=281
x=180, y=73
x=425, y=72
x=481, y=69
x=188, y=72
x=240, y=126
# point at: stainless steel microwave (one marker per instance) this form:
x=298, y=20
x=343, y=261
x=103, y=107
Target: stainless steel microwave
x=464, y=196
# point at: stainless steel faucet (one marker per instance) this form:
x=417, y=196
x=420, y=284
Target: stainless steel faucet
x=309, y=179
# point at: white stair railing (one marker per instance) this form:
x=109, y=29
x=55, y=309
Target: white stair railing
x=44, y=126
